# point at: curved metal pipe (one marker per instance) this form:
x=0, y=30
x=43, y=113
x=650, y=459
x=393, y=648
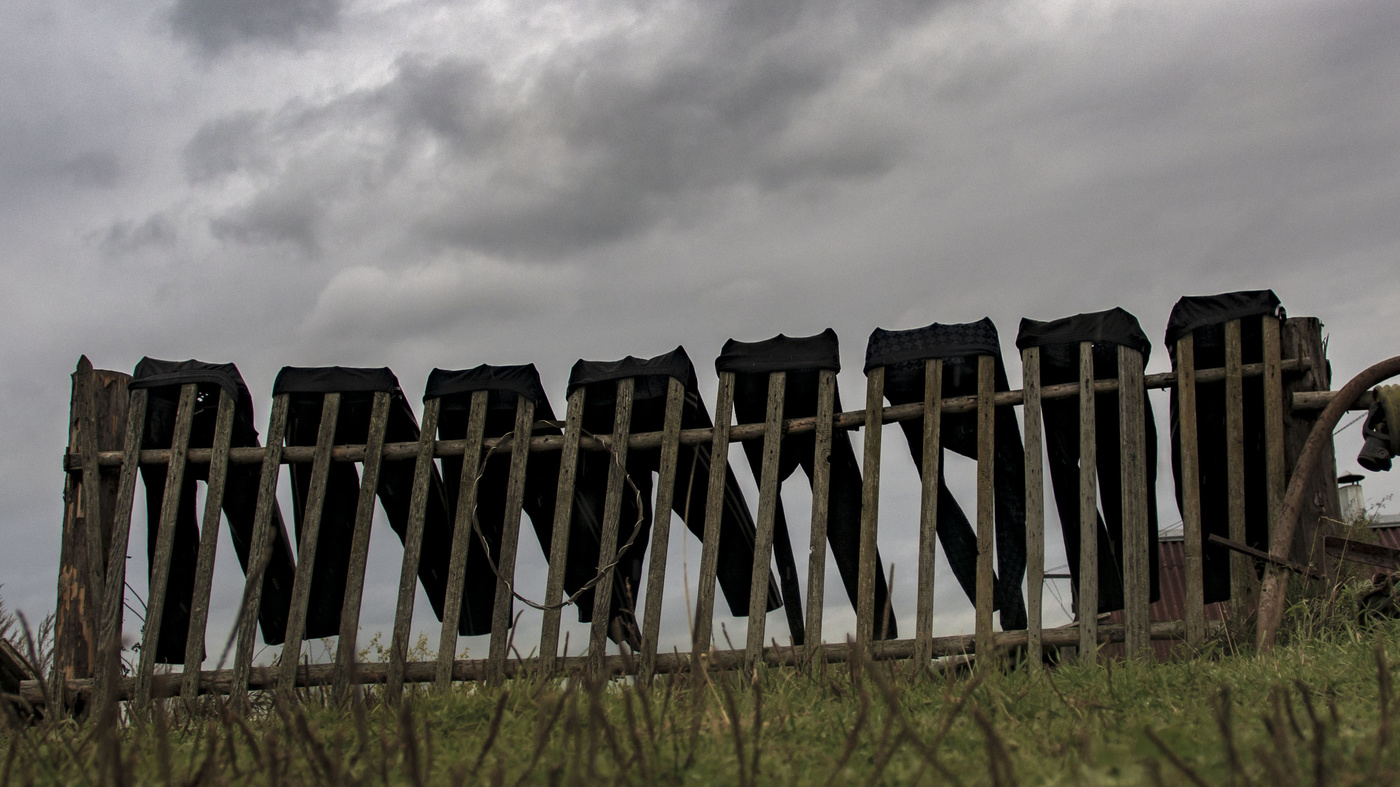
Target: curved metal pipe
x=1275, y=584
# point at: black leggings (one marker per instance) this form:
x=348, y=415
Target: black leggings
x=331, y=569
x=1212, y=453
x=736, y=543
x=844, y=500
x=904, y=384
x=541, y=481
x=239, y=506
x=1060, y=364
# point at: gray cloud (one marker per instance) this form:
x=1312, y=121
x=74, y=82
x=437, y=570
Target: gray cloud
x=291, y=214
x=601, y=140
x=225, y=145
x=131, y=237
x=98, y=168
x=213, y=26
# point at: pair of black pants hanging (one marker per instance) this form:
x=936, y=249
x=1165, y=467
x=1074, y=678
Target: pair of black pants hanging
x=802, y=359
x=1059, y=342
x=959, y=345
x=505, y=386
x=163, y=379
x=1204, y=317
x=306, y=389
x=651, y=379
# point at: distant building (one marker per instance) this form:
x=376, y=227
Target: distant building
x=1172, y=604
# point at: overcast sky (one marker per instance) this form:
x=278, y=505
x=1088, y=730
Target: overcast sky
x=419, y=184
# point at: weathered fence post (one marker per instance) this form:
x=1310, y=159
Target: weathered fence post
x=1132, y=396
x=1087, y=602
x=870, y=511
x=97, y=422
x=821, y=500
x=986, y=507
x=1193, y=612
x=928, y=506
x=1035, y=506
x=1302, y=339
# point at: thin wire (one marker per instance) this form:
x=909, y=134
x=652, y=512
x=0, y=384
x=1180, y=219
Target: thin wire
x=1055, y=591
x=1344, y=427
x=603, y=570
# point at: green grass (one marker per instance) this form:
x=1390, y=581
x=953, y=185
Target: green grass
x=1319, y=710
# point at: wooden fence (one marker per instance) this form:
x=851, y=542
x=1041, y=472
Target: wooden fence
x=105, y=452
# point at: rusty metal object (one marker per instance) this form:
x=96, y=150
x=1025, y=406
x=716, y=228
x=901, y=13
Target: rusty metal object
x=1361, y=552
x=1265, y=557
x=1275, y=584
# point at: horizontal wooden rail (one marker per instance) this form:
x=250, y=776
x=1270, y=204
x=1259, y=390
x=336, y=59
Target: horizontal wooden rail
x=1317, y=400
x=854, y=419
x=266, y=678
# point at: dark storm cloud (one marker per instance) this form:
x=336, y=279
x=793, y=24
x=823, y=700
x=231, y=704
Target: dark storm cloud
x=223, y=146
x=290, y=215
x=601, y=141
x=130, y=237
x=213, y=26
x=98, y=168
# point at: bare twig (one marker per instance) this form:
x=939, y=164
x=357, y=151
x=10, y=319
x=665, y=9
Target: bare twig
x=1175, y=759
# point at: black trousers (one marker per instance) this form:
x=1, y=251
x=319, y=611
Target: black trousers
x=904, y=384
x=239, y=506
x=737, y=531
x=1212, y=453
x=331, y=569
x=844, y=499
x=1060, y=364
x=541, y=490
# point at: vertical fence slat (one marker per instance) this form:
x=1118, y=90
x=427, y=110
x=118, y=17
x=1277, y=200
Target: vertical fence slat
x=1035, y=505
x=714, y=514
x=767, y=510
x=86, y=381
x=661, y=527
x=986, y=506
x=112, y=607
x=1194, y=612
x=208, y=546
x=165, y=544
x=612, y=514
x=412, y=551
x=261, y=552
x=1136, y=576
x=462, y=538
x=306, y=549
x=1088, y=511
x=870, y=509
x=510, y=539
x=1273, y=418
x=347, y=642
x=559, y=539
x=1241, y=566
x=928, y=507
x=821, y=491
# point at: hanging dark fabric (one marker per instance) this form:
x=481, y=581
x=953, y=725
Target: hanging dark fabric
x=164, y=379
x=903, y=354
x=1059, y=342
x=1204, y=317
x=802, y=358
x=505, y=385
x=651, y=378
x=306, y=389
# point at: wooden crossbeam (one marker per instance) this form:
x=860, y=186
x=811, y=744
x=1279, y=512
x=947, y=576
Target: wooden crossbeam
x=847, y=421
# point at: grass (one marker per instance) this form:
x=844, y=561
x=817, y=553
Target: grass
x=1319, y=710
